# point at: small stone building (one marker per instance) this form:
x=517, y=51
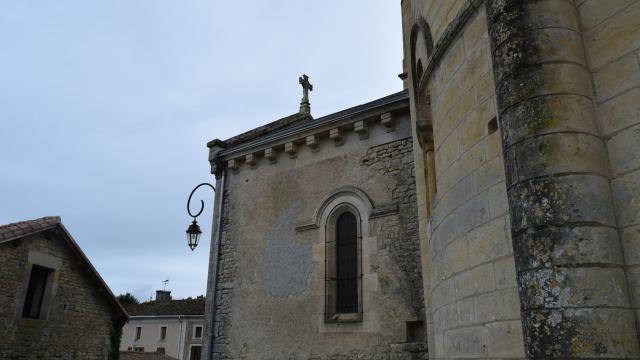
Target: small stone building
x=165, y=326
x=53, y=303
x=319, y=254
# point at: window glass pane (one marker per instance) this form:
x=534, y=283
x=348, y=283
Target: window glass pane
x=346, y=264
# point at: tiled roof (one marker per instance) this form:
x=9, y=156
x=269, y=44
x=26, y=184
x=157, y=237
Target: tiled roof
x=287, y=126
x=168, y=307
x=24, y=228
x=131, y=355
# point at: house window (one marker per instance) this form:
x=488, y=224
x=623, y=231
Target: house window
x=138, y=348
x=38, y=285
x=138, y=333
x=163, y=333
x=197, y=332
x=346, y=264
x=160, y=350
x=343, y=275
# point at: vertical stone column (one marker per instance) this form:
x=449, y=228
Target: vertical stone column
x=573, y=293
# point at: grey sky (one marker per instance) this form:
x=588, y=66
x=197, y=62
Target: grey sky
x=106, y=107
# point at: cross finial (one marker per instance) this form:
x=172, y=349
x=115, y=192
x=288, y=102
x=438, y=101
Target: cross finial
x=305, y=105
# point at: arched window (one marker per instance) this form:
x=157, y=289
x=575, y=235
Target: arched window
x=421, y=48
x=346, y=264
x=343, y=273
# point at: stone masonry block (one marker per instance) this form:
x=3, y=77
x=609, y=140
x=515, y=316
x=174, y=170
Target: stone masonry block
x=468, y=342
x=488, y=242
x=593, y=12
x=547, y=115
x=443, y=293
x=613, y=37
x=553, y=13
x=446, y=232
x=460, y=110
x=559, y=44
x=505, y=273
x=489, y=174
x=566, y=330
x=485, y=88
x=633, y=276
x=624, y=148
x=505, y=339
x=454, y=59
x=475, y=125
x=573, y=287
x=631, y=245
x=613, y=79
x=626, y=192
x=456, y=256
x=560, y=200
x=620, y=112
x=560, y=153
x=475, y=67
x=473, y=213
x=474, y=281
x=561, y=246
x=472, y=159
x=497, y=196
x=466, y=312
x=498, y=305
x=544, y=80
x=476, y=30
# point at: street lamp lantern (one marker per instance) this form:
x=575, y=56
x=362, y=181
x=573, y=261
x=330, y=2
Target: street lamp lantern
x=193, y=231
x=193, y=234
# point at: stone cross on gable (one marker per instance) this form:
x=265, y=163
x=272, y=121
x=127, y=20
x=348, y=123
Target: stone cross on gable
x=305, y=105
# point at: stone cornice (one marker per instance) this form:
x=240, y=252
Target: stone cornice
x=288, y=140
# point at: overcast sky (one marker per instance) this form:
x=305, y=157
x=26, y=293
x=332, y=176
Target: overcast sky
x=106, y=108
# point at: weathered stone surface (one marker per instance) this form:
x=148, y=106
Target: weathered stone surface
x=271, y=286
x=78, y=320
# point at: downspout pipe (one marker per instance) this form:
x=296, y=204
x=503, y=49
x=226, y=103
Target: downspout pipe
x=214, y=269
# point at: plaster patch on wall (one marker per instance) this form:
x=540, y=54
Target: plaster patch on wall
x=288, y=263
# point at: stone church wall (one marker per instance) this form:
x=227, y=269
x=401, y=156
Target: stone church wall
x=79, y=316
x=560, y=77
x=611, y=33
x=272, y=288
x=472, y=298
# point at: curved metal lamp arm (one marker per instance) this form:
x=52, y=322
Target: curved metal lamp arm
x=201, y=201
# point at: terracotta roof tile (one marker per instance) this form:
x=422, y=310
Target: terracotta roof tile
x=23, y=228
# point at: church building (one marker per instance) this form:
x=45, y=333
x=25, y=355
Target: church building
x=491, y=210
x=319, y=248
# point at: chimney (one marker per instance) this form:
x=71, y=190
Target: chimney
x=163, y=295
